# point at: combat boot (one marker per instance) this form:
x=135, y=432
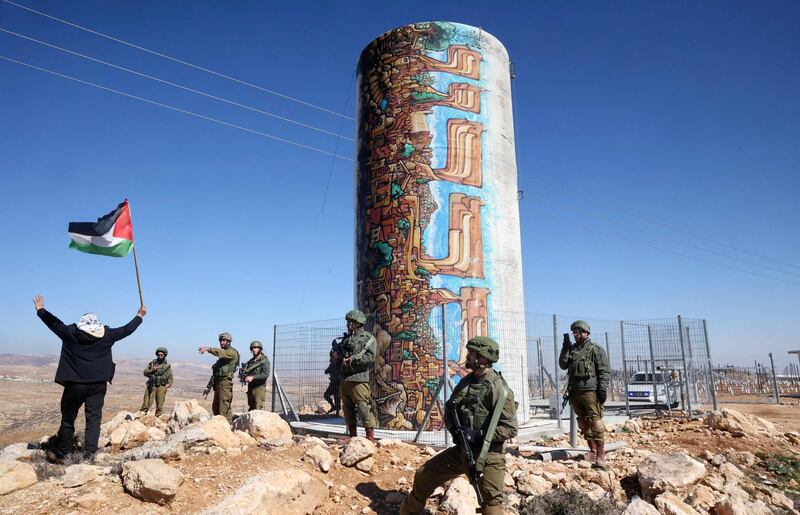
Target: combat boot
x=496, y=509
x=600, y=446
x=592, y=454
x=370, y=433
x=404, y=508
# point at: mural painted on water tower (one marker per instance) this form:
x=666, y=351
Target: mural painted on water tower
x=437, y=217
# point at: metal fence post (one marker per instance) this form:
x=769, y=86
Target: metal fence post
x=686, y=376
x=774, y=381
x=274, y=361
x=444, y=371
x=611, y=369
x=652, y=366
x=541, y=366
x=710, y=366
x=624, y=366
x=556, y=385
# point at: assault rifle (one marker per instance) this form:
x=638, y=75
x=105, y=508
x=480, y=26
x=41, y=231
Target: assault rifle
x=242, y=374
x=339, y=347
x=151, y=379
x=460, y=436
x=210, y=384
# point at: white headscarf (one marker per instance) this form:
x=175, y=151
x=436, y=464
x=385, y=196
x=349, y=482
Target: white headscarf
x=89, y=323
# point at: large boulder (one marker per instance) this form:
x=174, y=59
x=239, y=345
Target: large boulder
x=77, y=475
x=21, y=451
x=264, y=426
x=670, y=504
x=739, y=424
x=186, y=413
x=151, y=480
x=277, y=492
x=665, y=472
x=135, y=435
x=108, y=428
x=532, y=484
x=460, y=498
x=219, y=430
x=319, y=456
x=15, y=475
x=168, y=448
x=640, y=507
x=358, y=449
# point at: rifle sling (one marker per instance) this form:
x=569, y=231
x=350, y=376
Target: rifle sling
x=487, y=440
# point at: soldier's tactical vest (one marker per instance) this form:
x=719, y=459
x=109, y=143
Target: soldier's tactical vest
x=474, y=410
x=582, y=367
x=227, y=370
x=160, y=375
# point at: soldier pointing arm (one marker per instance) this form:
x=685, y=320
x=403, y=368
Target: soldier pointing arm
x=222, y=374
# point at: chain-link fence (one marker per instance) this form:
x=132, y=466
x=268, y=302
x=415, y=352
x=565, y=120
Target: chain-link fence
x=657, y=364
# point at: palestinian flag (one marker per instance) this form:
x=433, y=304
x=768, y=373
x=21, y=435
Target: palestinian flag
x=111, y=235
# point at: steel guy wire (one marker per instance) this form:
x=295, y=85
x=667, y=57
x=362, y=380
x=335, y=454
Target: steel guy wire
x=662, y=224
x=163, y=81
x=184, y=111
x=180, y=61
x=656, y=247
x=673, y=240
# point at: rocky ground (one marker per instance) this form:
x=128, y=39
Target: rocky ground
x=734, y=461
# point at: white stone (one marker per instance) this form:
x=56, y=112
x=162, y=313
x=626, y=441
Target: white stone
x=135, y=435
x=77, y=475
x=219, y=430
x=739, y=424
x=263, y=425
x=640, y=507
x=662, y=472
x=670, y=504
x=277, y=492
x=319, y=456
x=245, y=440
x=359, y=448
x=532, y=484
x=20, y=451
x=15, y=475
x=365, y=465
x=460, y=498
x=186, y=413
x=151, y=480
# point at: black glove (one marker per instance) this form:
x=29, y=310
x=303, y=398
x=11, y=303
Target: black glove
x=601, y=396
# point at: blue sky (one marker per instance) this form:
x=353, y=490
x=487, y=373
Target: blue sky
x=683, y=112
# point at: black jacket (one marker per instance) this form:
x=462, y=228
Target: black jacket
x=85, y=358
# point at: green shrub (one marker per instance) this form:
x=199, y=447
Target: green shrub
x=572, y=502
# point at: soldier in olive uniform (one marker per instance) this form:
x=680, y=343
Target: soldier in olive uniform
x=475, y=399
x=222, y=374
x=589, y=376
x=333, y=371
x=159, y=379
x=354, y=391
x=256, y=373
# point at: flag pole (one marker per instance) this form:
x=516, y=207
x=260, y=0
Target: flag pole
x=138, y=281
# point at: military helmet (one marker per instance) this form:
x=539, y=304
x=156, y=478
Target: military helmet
x=580, y=324
x=485, y=347
x=356, y=316
x=162, y=349
x=226, y=336
x=256, y=343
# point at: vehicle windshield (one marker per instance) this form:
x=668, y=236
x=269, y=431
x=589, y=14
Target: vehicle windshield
x=643, y=377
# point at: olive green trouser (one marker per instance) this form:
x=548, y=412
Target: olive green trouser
x=159, y=393
x=356, y=401
x=589, y=413
x=255, y=397
x=451, y=463
x=223, y=395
